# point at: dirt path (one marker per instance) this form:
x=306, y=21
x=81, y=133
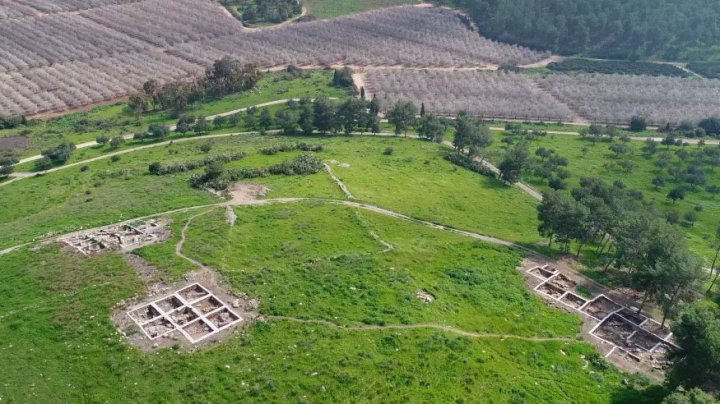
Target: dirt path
x=340, y=184
x=183, y=237
x=432, y=326
x=129, y=136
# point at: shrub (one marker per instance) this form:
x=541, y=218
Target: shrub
x=158, y=169
x=638, y=124
x=463, y=160
x=389, y=151
x=304, y=164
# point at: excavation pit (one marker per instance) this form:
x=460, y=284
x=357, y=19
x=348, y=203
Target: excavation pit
x=169, y=304
x=601, y=307
x=183, y=316
x=193, y=293
x=632, y=316
x=197, y=330
x=145, y=314
x=655, y=328
x=125, y=237
x=573, y=300
x=563, y=282
x=158, y=328
x=542, y=273
x=550, y=290
x=616, y=330
x=645, y=340
x=207, y=305
x=223, y=318
x=186, y=315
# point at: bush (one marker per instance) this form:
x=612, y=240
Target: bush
x=617, y=67
x=270, y=151
x=43, y=164
x=304, y=164
x=9, y=122
x=389, y=151
x=158, y=169
x=60, y=154
x=463, y=160
x=342, y=78
x=638, y=124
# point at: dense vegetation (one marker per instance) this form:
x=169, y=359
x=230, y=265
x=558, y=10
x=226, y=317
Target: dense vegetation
x=263, y=11
x=612, y=29
x=710, y=70
x=617, y=67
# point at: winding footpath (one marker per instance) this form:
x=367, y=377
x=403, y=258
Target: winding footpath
x=364, y=328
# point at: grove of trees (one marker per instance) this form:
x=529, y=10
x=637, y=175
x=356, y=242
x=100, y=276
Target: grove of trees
x=610, y=29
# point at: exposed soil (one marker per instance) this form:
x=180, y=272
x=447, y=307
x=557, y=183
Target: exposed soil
x=245, y=194
x=14, y=143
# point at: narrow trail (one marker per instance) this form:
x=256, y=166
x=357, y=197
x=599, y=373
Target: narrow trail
x=262, y=202
x=421, y=326
x=433, y=326
x=183, y=237
x=340, y=184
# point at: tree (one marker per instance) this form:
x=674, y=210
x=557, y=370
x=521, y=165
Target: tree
x=6, y=165
x=349, y=114
x=306, y=119
x=43, y=164
x=690, y=217
x=711, y=126
x=422, y=109
x=323, y=114
x=676, y=194
x=249, y=118
x=220, y=121
x=637, y=124
x=59, y=154
x=266, y=120
x=553, y=215
x=152, y=89
x=650, y=146
x=692, y=396
x=619, y=149
x=697, y=332
x=288, y=121
x=402, y=116
x=431, y=128
x=201, y=125
x=138, y=104
x=227, y=76
x=471, y=137
x=342, y=78
x=658, y=182
x=116, y=142
x=515, y=161
x=102, y=139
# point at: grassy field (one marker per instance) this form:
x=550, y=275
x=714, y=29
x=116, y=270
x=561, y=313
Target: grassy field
x=313, y=261
x=415, y=180
x=336, y=8
x=117, y=119
x=591, y=163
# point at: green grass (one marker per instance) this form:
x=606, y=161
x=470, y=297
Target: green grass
x=416, y=180
x=118, y=119
x=700, y=236
x=337, y=8
x=311, y=261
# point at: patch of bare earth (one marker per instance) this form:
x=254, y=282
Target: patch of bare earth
x=246, y=194
x=14, y=143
